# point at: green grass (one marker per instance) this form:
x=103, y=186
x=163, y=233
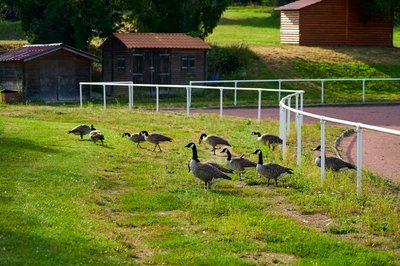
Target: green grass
x=67, y=201
x=251, y=25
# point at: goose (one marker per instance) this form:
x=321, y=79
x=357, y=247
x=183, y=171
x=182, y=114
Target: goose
x=238, y=163
x=269, y=139
x=96, y=135
x=204, y=171
x=155, y=138
x=81, y=130
x=214, y=141
x=333, y=163
x=270, y=170
x=137, y=138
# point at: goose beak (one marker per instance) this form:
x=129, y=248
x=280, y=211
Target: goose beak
x=199, y=141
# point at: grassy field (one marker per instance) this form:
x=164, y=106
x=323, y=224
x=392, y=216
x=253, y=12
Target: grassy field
x=70, y=201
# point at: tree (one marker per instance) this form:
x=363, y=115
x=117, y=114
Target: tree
x=73, y=22
x=198, y=17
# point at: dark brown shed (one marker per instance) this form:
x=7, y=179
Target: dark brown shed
x=332, y=22
x=48, y=72
x=153, y=58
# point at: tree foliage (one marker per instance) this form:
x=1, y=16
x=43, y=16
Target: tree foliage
x=198, y=17
x=73, y=22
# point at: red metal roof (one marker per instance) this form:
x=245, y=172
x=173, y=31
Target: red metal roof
x=161, y=40
x=298, y=5
x=29, y=52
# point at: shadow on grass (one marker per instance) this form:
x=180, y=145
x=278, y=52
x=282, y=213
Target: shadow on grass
x=15, y=144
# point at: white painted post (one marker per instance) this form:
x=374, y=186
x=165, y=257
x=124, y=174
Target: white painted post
x=221, y=100
x=80, y=94
x=157, y=98
x=129, y=98
x=187, y=101
x=359, y=160
x=297, y=106
x=279, y=88
x=104, y=96
x=131, y=90
x=235, y=94
x=322, y=91
x=288, y=118
x=259, y=106
x=301, y=108
x=283, y=132
x=280, y=123
x=298, y=122
x=322, y=150
x=363, y=90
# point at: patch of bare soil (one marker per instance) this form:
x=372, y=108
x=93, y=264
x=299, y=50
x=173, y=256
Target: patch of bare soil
x=341, y=54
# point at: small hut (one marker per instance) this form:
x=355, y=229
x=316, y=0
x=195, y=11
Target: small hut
x=153, y=58
x=46, y=72
x=332, y=22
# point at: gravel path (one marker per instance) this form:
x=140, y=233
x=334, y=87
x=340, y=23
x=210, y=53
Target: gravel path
x=381, y=152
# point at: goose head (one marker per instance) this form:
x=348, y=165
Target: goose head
x=202, y=137
x=190, y=145
x=126, y=134
x=256, y=133
x=258, y=151
x=144, y=132
x=225, y=150
x=318, y=148
x=92, y=127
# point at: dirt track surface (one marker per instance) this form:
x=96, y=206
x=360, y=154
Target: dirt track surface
x=381, y=152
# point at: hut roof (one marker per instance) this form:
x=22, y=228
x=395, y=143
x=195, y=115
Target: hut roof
x=161, y=40
x=298, y=5
x=32, y=51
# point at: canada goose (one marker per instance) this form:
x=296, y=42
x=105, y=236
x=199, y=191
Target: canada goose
x=270, y=170
x=333, y=163
x=204, y=171
x=155, y=138
x=238, y=163
x=213, y=141
x=137, y=138
x=96, y=135
x=268, y=139
x=81, y=130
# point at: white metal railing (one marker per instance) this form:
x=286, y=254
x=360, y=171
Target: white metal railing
x=280, y=81
x=189, y=88
x=285, y=107
x=284, y=116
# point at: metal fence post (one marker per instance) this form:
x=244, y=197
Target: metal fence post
x=298, y=139
x=288, y=118
x=235, y=94
x=221, y=100
x=283, y=110
x=104, y=97
x=363, y=90
x=322, y=150
x=279, y=89
x=259, y=106
x=80, y=94
x=157, y=98
x=359, y=160
x=322, y=91
x=187, y=101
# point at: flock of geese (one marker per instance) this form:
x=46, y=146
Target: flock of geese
x=210, y=172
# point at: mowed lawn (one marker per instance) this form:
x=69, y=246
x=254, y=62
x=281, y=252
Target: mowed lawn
x=70, y=201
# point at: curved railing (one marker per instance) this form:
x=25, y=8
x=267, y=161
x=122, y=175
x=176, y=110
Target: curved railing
x=286, y=109
x=285, y=105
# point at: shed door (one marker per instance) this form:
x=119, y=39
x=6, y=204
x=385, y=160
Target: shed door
x=151, y=66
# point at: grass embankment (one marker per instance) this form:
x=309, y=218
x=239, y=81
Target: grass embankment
x=67, y=201
x=257, y=28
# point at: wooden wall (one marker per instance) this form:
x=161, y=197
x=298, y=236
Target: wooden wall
x=56, y=76
x=11, y=76
x=334, y=22
x=154, y=65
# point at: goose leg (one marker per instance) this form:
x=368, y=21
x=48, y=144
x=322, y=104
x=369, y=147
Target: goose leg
x=276, y=181
x=155, y=146
x=159, y=147
x=81, y=136
x=268, y=181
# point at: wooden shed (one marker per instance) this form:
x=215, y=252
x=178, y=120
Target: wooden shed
x=46, y=72
x=332, y=22
x=153, y=58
